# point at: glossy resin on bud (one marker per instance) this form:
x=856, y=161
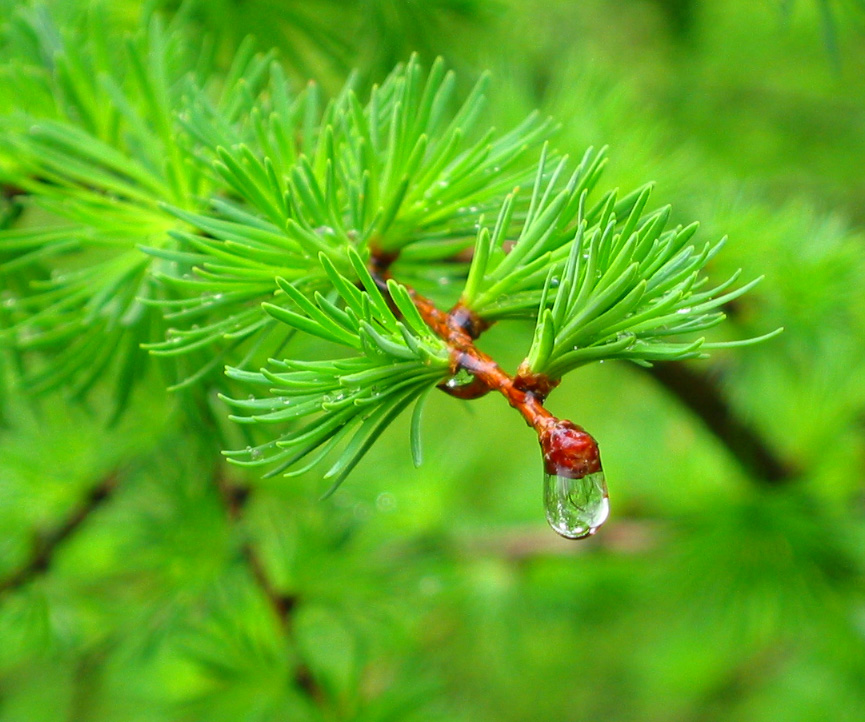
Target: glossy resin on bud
x=575, y=490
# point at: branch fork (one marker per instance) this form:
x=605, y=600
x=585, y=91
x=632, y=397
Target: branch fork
x=568, y=450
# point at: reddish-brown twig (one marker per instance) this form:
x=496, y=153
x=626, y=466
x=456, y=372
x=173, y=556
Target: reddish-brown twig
x=568, y=450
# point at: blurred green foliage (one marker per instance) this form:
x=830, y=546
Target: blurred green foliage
x=438, y=593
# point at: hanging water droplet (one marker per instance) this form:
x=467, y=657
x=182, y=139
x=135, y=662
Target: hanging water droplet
x=575, y=492
x=575, y=508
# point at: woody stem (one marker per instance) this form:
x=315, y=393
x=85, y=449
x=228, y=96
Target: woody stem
x=567, y=449
x=455, y=329
x=458, y=328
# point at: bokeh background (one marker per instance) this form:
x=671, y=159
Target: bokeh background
x=715, y=591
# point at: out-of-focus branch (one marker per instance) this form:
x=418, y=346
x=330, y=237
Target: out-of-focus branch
x=235, y=498
x=702, y=396
x=8, y=190
x=627, y=537
x=47, y=544
x=10, y=209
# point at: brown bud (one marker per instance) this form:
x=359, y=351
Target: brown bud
x=467, y=321
x=569, y=450
x=538, y=384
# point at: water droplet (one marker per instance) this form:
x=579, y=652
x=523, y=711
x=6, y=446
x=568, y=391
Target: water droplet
x=362, y=511
x=684, y=310
x=385, y=502
x=325, y=231
x=554, y=282
x=576, y=507
x=254, y=453
x=460, y=378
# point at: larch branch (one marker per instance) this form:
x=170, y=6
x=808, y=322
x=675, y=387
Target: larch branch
x=568, y=450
